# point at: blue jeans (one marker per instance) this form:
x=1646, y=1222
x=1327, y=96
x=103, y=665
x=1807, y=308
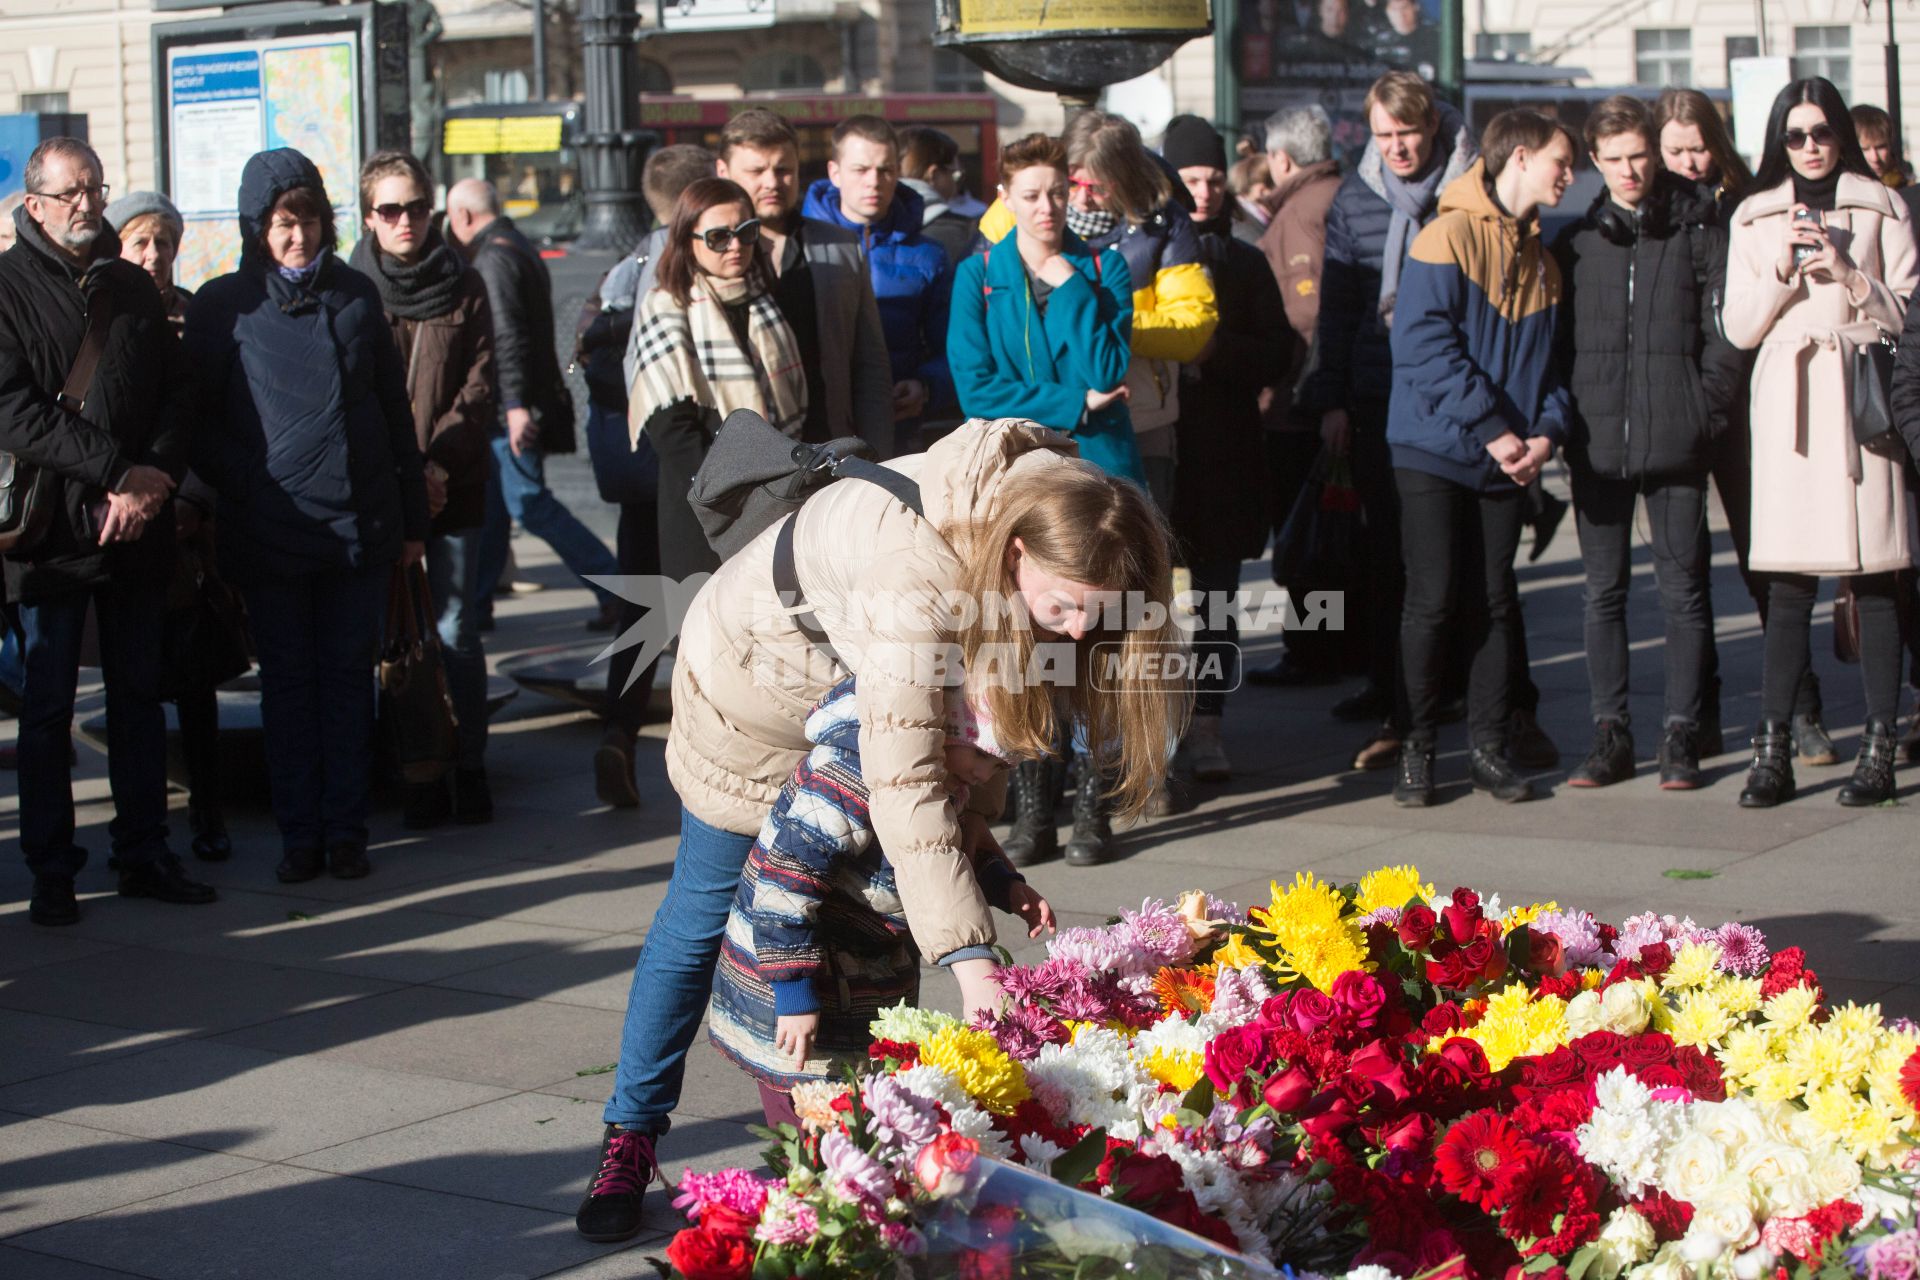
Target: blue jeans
x=128, y=613
x=13, y=670
x=517, y=491
x=674, y=976
x=317, y=636
x=453, y=579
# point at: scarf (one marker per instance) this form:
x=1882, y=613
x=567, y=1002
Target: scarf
x=1215, y=236
x=303, y=275
x=1413, y=201
x=418, y=290
x=1817, y=193
x=1091, y=224
x=690, y=353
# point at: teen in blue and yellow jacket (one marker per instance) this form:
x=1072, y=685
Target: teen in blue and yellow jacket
x=1473, y=340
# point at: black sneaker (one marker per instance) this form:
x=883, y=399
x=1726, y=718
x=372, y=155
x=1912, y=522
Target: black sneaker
x=1413, y=786
x=1609, y=761
x=611, y=1211
x=299, y=866
x=473, y=798
x=1679, y=759
x=1528, y=745
x=165, y=880
x=53, y=902
x=1491, y=773
x=348, y=861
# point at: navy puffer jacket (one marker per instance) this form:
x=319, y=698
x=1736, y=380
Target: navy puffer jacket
x=302, y=402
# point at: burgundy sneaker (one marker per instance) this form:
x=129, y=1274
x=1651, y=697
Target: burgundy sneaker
x=611, y=1211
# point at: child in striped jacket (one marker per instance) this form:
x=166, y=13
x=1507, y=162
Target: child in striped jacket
x=817, y=943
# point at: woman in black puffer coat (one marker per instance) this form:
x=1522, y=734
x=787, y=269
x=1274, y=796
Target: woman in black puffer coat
x=1650, y=374
x=308, y=439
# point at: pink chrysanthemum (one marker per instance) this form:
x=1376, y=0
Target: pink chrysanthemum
x=734, y=1189
x=1743, y=949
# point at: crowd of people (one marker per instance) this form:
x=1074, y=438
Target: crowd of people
x=1132, y=360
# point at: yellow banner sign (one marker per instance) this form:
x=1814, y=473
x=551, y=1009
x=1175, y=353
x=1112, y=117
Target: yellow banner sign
x=1018, y=17
x=496, y=135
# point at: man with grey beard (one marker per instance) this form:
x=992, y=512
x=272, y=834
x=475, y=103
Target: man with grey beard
x=110, y=447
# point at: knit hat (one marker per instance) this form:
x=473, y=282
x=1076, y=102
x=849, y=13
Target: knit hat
x=1190, y=142
x=135, y=203
x=968, y=721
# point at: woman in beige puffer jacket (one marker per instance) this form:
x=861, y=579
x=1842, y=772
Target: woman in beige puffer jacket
x=1009, y=508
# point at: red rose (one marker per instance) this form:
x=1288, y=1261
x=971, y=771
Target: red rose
x=1462, y=916
x=1545, y=954
x=1140, y=1182
x=1288, y=1091
x=700, y=1254
x=1327, y=1117
x=1656, y=958
x=1443, y=1018
x=1470, y=1059
x=1411, y=1134
x=1451, y=970
x=1416, y=928
x=721, y=1220
x=1661, y=1075
x=1600, y=1050
x=1624, y=971
x=945, y=1166
x=986, y=1264
x=1233, y=1053
x=1361, y=995
x=1482, y=959
x=1648, y=1049
x=1310, y=1010
x=1552, y=1070
x=1701, y=1074
x=1381, y=1069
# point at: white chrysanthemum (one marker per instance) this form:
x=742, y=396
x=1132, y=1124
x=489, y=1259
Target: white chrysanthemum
x=1619, y=1090
x=1371, y=1273
x=1624, y=1146
x=908, y=1025
x=1172, y=1033
x=1091, y=1081
x=969, y=1121
x=934, y=1084
x=1039, y=1153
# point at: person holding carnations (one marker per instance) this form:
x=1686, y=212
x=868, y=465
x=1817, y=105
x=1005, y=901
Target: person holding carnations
x=817, y=942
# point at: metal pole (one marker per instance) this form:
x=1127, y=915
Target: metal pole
x=539, y=50
x=613, y=146
x=1760, y=16
x=1226, y=66
x=1893, y=91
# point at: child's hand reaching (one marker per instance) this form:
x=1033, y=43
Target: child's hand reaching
x=1026, y=902
x=795, y=1033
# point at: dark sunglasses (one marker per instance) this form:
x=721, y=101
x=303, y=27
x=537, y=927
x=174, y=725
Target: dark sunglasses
x=1821, y=135
x=719, y=239
x=411, y=209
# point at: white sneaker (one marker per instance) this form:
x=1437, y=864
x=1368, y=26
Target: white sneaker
x=1205, y=752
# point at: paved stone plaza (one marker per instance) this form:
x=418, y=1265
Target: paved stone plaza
x=402, y=1076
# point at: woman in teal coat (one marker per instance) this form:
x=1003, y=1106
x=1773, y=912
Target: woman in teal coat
x=1042, y=325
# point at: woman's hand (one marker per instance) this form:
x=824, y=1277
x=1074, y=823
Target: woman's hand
x=1098, y=400
x=436, y=488
x=1829, y=263
x=795, y=1033
x=978, y=990
x=1802, y=233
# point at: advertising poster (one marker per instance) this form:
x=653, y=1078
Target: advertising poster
x=1018, y=17
x=1293, y=52
x=227, y=101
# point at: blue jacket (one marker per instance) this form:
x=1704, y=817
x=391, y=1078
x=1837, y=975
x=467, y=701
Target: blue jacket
x=305, y=431
x=1473, y=340
x=817, y=924
x=1010, y=359
x=912, y=282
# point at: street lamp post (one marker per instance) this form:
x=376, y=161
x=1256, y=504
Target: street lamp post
x=613, y=146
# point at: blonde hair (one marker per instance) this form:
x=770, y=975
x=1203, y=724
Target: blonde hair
x=1079, y=523
x=1109, y=147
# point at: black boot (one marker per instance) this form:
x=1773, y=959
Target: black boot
x=1680, y=758
x=210, y=840
x=1092, y=840
x=1872, y=781
x=1413, y=787
x=1491, y=773
x=1770, y=779
x=1034, y=838
x=165, y=880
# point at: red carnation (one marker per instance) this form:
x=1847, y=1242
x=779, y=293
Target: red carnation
x=1910, y=1080
x=907, y=1055
x=1667, y=1216
x=1534, y=1190
x=700, y=1254
x=1788, y=969
x=1566, y=986
x=1578, y=1227
x=1473, y=1153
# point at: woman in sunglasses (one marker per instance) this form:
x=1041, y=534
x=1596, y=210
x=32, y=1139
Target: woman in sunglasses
x=708, y=339
x=437, y=307
x=1821, y=265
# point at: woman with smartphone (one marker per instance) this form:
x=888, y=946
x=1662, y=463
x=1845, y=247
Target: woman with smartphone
x=1821, y=264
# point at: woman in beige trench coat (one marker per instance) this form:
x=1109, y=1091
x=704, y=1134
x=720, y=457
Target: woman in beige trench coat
x=1822, y=261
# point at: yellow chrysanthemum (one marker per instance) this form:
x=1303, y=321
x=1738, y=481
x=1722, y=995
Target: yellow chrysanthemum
x=1775, y=1082
x=1518, y=1025
x=1792, y=1008
x=1745, y=1052
x=981, y=1067
x=1699, y=1020
x=1696, y=966
x=1856, y=1019
x=1831, y=1056
x=1883, y=1075
x=1176, y=1067
x=1317, y=942
x=1590, y=979
x=1236, y=954
x=1391, y=887
x=1518, y=916
x=1740, y=996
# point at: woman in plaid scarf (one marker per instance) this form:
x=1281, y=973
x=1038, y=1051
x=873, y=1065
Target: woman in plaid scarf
x=709, y=339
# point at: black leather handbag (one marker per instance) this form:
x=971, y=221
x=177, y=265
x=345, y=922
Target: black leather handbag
x=413, y=682
x=1871, y=394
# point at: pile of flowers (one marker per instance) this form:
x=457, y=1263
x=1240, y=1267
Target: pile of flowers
x=1376, y=1081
